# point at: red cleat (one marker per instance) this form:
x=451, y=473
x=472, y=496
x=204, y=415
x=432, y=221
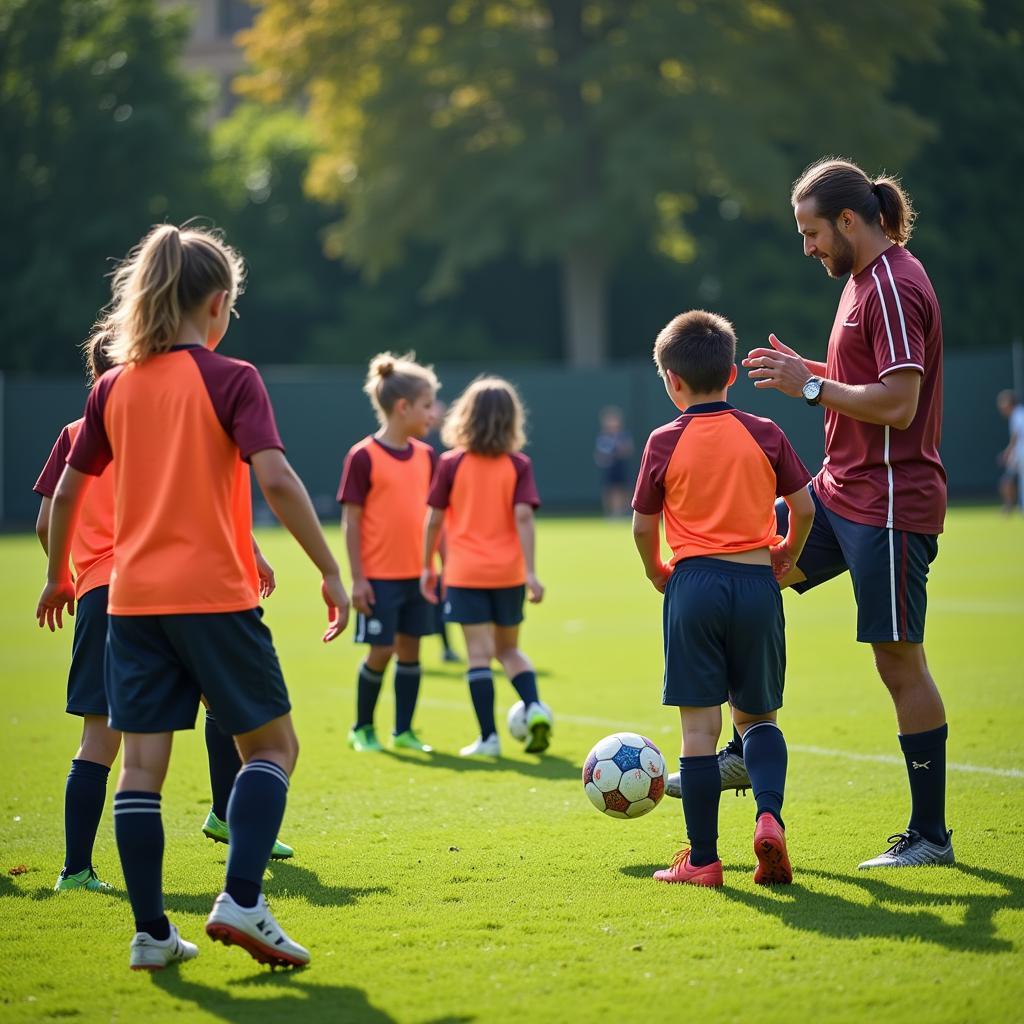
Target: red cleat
x=683, y=871
x=773, y=867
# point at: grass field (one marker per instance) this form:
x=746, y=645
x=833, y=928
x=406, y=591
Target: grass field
x=431, y=889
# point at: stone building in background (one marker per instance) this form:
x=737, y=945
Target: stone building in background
x=211, y=47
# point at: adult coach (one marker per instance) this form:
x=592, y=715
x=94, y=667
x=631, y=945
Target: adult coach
x=881, y=494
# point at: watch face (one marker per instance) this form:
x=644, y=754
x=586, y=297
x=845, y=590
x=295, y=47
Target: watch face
x=812, y=389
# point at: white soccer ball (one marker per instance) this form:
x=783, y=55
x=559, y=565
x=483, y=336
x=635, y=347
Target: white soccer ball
x=624, y=775
x=517, y=719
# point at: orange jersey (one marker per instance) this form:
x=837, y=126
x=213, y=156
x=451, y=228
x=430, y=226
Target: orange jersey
x=392, y=487
x=480, y=493
x=714, y=474
x=178, y=428
x=92, y=547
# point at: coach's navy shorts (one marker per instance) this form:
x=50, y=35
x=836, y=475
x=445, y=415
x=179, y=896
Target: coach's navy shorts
x=472, y=606
x=889, y=570
x=398, y=607
x=725, y=636
x=158, y=665
x=86, y=692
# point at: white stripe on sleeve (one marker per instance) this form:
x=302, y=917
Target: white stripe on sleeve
x=899, y=306
x=885, y=313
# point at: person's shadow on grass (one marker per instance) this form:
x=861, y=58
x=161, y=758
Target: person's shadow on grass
x=892, y=912
x=280, y=996
x=547, y=766
x=283, y=879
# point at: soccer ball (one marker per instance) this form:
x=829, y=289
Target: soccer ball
x=517, y=719
x=624, y=775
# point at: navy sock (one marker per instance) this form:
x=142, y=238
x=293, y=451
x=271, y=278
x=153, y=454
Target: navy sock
x=159, y=927
x=925, y=753
x=702, y=789
x=735, y=745
x=407, y=691
x=84, y=794
x=526, y=686
x=139, y=831
x=481, y=691
x=766, y=757
x=255, y=812
x=225, y=764
x=367, y=692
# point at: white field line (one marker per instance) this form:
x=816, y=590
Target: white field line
x=799, y=748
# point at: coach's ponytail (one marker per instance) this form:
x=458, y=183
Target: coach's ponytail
x=836, y=185
x=895, y=209
x=167, y=275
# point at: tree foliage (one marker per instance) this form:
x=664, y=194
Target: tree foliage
x=99, y=138
x=560, y=129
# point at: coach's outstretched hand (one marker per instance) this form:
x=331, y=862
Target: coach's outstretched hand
x=337, y=607
x=52, y=602
x=778, y=367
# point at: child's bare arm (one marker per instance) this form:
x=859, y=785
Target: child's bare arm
x=528, y=541
x=431, y=540
x=362, y=590
x=647, y=537
x=287, y=497
x=59, y=592
x=786, y=554
x=43, y=524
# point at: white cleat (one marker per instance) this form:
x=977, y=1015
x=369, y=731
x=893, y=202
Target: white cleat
x=256, y=931
x=480, y=747
x=149, y=954
x=910, y=849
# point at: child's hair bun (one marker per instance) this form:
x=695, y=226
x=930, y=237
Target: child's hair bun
x=383, y=365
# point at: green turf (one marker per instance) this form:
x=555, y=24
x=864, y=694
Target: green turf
x=429, y=889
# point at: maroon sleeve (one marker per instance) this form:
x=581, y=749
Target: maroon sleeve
x=47, y=482
x=91, y=453
x=240, y=401
x=526, y=486
x=444, y=477
x=790, y=473
x=649, y=495
x=355, y=478
x=895, y=321
x=434, y=459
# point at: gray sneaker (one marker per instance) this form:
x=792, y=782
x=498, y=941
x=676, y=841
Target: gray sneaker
x=911, y=850
x=730, y=767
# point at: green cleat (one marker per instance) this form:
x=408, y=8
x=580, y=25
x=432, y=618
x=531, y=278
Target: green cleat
x=364, y=738
x=217, y=830
x=85, y=879
x=408, y=740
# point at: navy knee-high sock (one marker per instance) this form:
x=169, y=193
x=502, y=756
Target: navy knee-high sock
x=225, y=764
x=139, y=831
x=702, y=790
x=526, y=686
x=766, y=758
x=255, y=812
x=925, y=754
x=481, y=692
x=367, y=692
x=407, y=691
x=84, y=795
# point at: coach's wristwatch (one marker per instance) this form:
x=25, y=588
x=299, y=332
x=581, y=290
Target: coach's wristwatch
x=812, y=390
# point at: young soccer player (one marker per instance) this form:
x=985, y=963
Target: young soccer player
x=92, y=555
x=712, y=476
x=383, y=495
x=179, y=423
x=484, y=495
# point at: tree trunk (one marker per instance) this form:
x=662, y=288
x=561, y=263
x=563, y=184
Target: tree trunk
x=585, y=307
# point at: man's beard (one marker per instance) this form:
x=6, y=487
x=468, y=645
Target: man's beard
x=842, y=256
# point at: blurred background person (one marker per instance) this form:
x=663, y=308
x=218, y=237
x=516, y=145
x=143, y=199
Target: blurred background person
x=613, y=449
x=1011, y=458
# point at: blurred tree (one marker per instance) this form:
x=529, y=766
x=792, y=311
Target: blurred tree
x=99, y=138
x=576, y=130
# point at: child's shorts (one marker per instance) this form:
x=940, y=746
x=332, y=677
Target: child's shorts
x=398, y=607
x=472, y=606
x=725, y=636
x=159, y=665
x=87, y=694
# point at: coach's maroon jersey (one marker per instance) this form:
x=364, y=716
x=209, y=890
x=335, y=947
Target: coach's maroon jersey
x=888, y=319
